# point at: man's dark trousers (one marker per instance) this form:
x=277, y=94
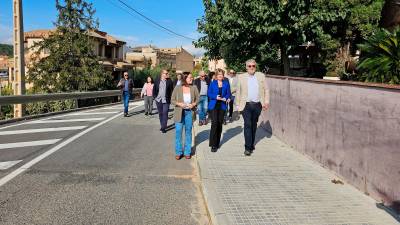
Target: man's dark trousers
x=251, y=113
x=163, y=114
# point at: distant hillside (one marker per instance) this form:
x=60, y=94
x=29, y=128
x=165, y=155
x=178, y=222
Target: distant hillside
x=6, y=50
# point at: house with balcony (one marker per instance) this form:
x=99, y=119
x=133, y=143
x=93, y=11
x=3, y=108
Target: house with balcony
x=109, y=49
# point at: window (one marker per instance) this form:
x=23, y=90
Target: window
x=108, y=52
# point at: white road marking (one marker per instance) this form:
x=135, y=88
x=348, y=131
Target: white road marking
x=28, y=143
x=9, y=164
x=66, y=121
x=29, y=164
x=91, y=110
x=41, y=130
x=93, y=113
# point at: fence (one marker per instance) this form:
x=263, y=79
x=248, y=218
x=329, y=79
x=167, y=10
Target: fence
x=24, y=99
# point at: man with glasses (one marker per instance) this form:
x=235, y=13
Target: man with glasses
x=252, y=96
x=202, y=84
x=126, y=87
x=162, y=92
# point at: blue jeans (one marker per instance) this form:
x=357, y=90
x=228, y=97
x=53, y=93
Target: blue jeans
x=203, y=104
x=126, y=97
x=187, y=122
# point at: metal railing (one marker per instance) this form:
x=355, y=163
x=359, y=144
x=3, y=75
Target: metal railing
x=24, y=99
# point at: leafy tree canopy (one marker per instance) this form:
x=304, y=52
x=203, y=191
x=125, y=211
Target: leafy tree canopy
x=71, y=64
x=237, y=30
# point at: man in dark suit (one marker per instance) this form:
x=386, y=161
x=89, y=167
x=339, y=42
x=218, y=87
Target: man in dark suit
x=162, y=92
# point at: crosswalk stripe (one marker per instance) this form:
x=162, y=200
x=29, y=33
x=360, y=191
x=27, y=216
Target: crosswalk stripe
x=9, y=164
x=28, y=143
x=41, y=130
x=93, y=113
x=66, y=120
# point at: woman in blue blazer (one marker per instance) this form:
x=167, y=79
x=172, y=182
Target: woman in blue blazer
x=219, y=94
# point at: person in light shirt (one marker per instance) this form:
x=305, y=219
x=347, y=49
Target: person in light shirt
x=252, y=96
x=185, y=98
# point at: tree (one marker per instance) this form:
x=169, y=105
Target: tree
x=238, y=30
x=268, y=31
x=71, y=64
x=337, y=26
x=380, y=61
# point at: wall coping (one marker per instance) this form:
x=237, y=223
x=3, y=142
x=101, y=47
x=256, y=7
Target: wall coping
x=340, y=82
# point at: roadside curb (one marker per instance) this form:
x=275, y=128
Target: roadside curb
x=215, y=210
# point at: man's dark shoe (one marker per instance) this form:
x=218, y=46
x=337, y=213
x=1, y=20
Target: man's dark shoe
x=125, y=114
x=163, y=131
x=214, y=149
x=247, y=153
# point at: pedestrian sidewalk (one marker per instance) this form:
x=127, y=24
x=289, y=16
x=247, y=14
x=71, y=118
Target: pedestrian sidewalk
x=276, y=185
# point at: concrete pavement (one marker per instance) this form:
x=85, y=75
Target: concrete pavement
x=276, y=186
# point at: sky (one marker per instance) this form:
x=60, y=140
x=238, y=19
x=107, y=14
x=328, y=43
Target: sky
x=178, y=15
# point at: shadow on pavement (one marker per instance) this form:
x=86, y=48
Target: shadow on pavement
x=390, y=210
x=135, y=113
x=231, y=133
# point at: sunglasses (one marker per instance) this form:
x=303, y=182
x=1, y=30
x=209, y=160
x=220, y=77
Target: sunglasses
x=251, y=66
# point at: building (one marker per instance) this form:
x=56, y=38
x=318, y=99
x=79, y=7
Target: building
x=176, y=58
x=108, y=48
x=217, y=64
x=4, y=70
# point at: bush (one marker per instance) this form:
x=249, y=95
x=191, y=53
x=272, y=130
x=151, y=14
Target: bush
x=7, y=111
x=380, y=58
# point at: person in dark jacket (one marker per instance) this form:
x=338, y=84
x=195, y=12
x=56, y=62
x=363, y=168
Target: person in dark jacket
x=126, y=87
x=202, y=83
x=219, y=94
x=162, y=92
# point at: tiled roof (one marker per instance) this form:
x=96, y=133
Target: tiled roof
x=46, y=34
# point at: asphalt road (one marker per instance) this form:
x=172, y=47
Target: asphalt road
x=96, y=167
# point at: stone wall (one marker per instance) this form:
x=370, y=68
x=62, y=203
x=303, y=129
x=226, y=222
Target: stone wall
x=351, y=128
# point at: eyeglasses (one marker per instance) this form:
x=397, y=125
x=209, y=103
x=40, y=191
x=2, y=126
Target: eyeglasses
x=251, y=66
x=125, y=75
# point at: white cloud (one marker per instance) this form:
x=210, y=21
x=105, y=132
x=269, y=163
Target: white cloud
x=6, y=34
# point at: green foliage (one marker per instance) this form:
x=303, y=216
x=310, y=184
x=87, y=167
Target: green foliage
x=335, y=24
x=237, y=30
x=36, y=108
x=140, y=76
x=380, y=60
x=6, y=110
x=267, y=31
x=6, y=50
x=71, y=64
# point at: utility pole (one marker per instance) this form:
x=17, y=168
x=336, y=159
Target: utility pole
x=19, y=56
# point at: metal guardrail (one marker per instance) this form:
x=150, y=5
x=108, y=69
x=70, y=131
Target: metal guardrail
x=23, y=99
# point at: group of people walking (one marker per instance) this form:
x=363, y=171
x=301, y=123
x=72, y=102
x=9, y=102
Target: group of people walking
x=215, y=95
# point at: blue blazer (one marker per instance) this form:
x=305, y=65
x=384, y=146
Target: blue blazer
x=213, y=93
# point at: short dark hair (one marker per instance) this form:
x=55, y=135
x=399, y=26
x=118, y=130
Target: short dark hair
x=211, y=74
x=184, y=77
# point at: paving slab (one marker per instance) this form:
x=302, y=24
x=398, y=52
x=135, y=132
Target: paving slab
x=276, y=185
